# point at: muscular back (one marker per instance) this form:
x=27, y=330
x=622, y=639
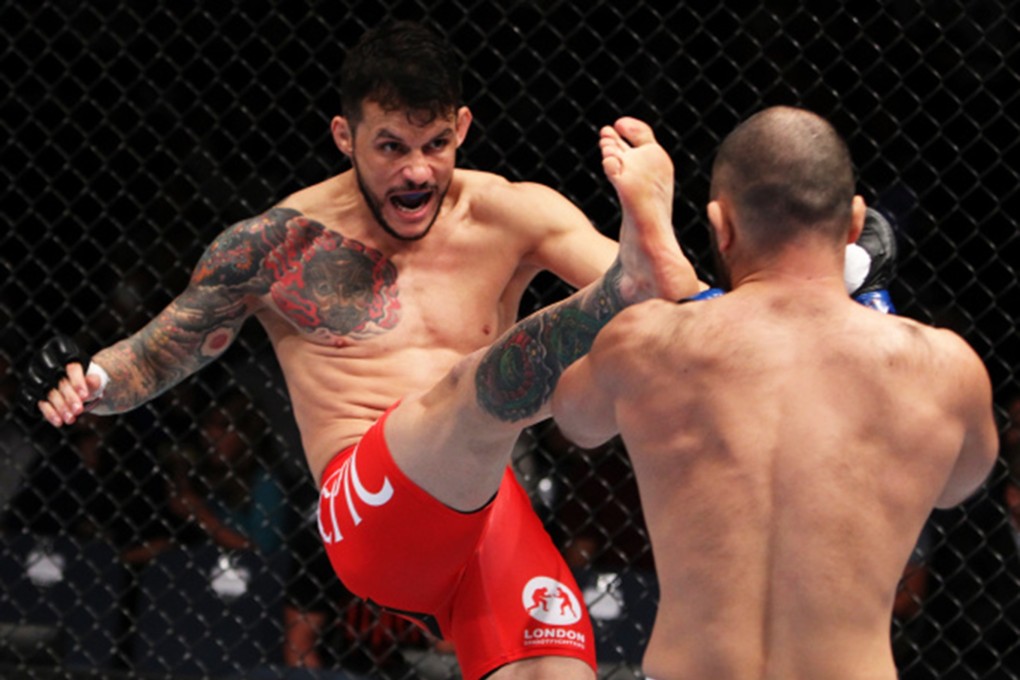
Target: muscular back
x=788, y=451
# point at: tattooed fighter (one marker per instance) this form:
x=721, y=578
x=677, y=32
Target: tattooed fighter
x=388, y=293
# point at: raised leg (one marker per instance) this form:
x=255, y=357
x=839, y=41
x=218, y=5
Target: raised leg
x=455, y=440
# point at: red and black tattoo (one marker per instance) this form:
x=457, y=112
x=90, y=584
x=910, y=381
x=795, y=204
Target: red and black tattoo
x=317, y=279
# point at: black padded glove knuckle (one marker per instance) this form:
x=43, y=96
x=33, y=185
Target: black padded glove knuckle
x=878, y=239
x=48, y=366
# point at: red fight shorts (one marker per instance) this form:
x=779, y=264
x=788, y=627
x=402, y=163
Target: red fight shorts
x=491, y=581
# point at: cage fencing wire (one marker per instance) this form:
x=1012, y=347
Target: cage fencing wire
x=135, y=132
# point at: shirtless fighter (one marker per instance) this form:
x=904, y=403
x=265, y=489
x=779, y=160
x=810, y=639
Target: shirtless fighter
x=388, y=293
x=788, y=442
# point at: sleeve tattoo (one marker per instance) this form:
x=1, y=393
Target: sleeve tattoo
x=200, y=323
x=517, y=375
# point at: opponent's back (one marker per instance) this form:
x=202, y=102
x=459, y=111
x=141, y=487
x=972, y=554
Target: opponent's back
x=788, y=449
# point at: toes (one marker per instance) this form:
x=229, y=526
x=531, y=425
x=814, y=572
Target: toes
x=613, y=147
x=611, y=143
x=612, y=166
x=608, y=134
x=636, y=132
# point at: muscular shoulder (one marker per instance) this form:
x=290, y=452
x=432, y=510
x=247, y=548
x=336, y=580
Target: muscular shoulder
x=237, y=254
x=634, y=335
x=527, y=206
x=550, y=231
x=913, y=341
x=954, y=361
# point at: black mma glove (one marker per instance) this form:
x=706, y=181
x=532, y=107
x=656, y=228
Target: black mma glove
x=878, y=243
x=871, y=263
x=48, y=367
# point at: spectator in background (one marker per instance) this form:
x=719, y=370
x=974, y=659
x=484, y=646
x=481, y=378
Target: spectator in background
x=315, y=599
x=17, y=449
x=105, y=482
x=222, y=480
x=995, y=612
x=594, y=509
x=325, y=625
x=50, y=499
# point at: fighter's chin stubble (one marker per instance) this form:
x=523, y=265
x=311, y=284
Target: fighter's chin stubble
x=375, y=207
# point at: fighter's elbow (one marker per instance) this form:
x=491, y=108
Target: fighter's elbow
x=967, y=480
x=583, y=432
x=586, y=438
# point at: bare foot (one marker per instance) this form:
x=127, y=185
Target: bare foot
x=642, y=173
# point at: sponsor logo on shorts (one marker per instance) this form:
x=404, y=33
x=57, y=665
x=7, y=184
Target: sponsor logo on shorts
x=549, y=601
x=560, y=637
x=346, y=478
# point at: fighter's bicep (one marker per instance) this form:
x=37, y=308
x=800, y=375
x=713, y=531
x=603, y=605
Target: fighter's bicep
x=578, y=256
x=979, y=447
x=564, y=240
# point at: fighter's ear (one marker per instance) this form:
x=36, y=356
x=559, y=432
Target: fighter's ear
x=464, y=119
x=858, y=210
x=722, y=225
x=343, y=135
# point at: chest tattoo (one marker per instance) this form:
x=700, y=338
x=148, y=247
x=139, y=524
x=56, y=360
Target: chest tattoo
x=321, y=280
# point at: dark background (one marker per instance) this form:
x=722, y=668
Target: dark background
x=134, y=132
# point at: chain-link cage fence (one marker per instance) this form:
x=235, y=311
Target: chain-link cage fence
x=177, y=540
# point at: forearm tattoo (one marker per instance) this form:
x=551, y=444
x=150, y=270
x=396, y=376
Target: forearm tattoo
x=192, y=331
x=320, y=281
x=518, y=374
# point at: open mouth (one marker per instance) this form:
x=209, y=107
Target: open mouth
x=411, y=201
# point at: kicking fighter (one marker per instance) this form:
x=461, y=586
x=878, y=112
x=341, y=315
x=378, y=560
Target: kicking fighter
x=388, y=293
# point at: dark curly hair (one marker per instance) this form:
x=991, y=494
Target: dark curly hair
x=401, y=65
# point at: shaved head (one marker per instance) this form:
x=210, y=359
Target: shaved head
x=785, y=171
